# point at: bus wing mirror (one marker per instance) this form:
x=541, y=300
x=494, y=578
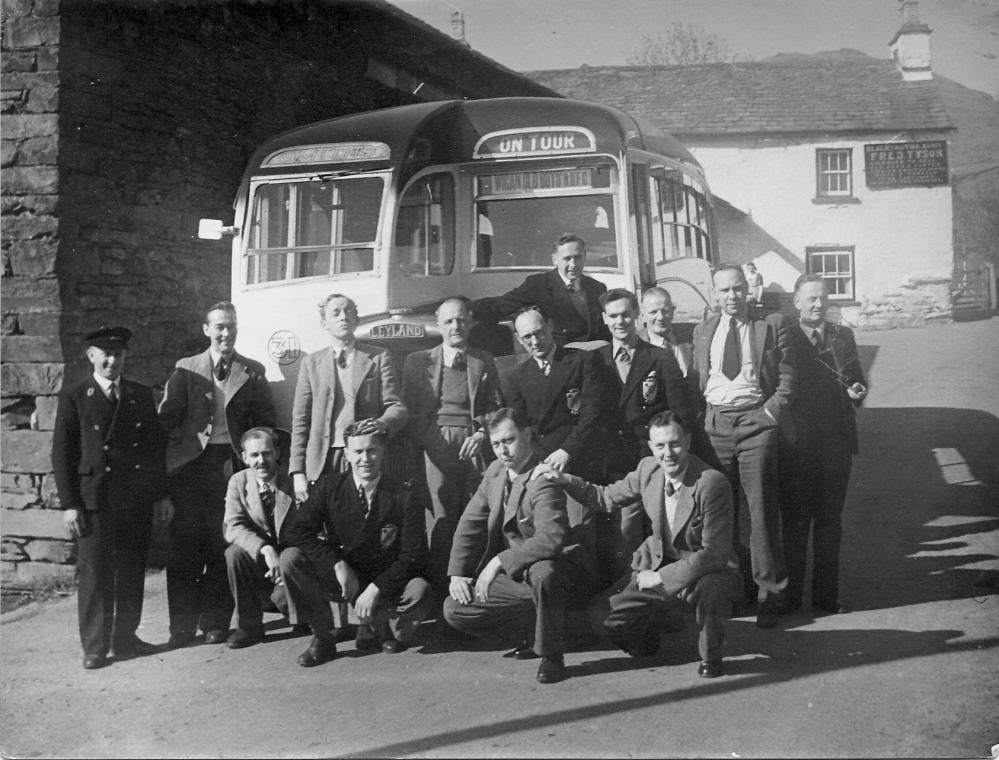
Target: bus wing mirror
x=213, y=229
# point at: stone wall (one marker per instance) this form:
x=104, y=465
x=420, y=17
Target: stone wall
x=124, y=122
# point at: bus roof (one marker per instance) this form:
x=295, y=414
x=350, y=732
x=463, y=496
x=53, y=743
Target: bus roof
x=447, y=132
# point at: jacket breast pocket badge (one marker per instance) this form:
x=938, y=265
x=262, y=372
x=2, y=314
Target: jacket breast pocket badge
x=650, y=387
x=390, y=533
x=573, y=400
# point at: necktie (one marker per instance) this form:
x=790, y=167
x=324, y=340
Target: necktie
x=341, y=359
x=546, y=366
x=623, y=356
x=267, y=500
x=732, y=358
x=670, y=488
x=816, y=338
x=571, y=287
x=221, y=369
x=362, y=497
x=113, y=393
x=459, y=361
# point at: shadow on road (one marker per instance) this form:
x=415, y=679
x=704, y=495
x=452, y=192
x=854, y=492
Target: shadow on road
x=780, y=656
x=923, y=497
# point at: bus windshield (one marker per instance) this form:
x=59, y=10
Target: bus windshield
x=521, y=213
x=311, y=228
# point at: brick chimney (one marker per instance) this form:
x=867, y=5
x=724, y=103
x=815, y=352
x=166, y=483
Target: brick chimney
x=910, y=47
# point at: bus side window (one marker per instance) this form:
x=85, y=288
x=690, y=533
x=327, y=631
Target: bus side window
x=424, y=229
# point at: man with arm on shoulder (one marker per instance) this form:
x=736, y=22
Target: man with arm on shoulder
x=211, y=399
x=346, y=382
x=513, y=560
x=687, y=559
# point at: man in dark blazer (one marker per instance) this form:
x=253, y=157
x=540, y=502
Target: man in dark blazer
x=360, y=538
x=746, y=369
x=346, y=382
x=565, y=294
x=449, y=390
x=514, y=558
x=815, y=470
x=107, y=454
x=642, y=381
x=560, y=393
x=211, y=399
x=257, y=506
x=687, y=557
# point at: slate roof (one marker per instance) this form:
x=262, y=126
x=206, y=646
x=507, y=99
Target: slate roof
x=799, y=95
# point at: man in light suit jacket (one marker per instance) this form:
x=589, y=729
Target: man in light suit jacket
x=815, y=470
x=746, y=370
x=567, y=296
x=449, y=390
x=211, y=399
x=659, y=330
x=256, y=507
x=360, y=538
x=514, y=556
x=688, y=556
x=336, y=386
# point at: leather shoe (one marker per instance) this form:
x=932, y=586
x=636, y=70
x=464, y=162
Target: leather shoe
x=240, y=639
x=552, y=669
x=710, y=669
x=770, y=610
x=523, y=651
x=94, y=661
x=831, y=606
x=365, y=642
x=131, y=647
x=393, y=646
x=180, y=640
x=215, y=636
x=321, y=649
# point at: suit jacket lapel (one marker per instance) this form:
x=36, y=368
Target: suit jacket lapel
x=237, y=377
x=474, y=372
x=757, y=339
x=284, y=500
x=253, y=504
x=641, y=360
x=554, y=384
x=703, y=350
x=836, y=344
x=684, y=508
x=435, y=371
x=655, y=500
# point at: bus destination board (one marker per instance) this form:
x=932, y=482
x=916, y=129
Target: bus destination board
x=528, y=182
x=330, y=153
x=911, y=164
x=542, y=141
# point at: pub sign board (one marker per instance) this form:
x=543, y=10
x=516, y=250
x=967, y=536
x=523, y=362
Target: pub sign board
x=909, y=164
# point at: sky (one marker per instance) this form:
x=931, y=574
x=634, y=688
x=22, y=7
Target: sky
x=527, y=35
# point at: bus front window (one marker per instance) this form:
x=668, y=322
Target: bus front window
x=313, y=228
x=521, y=214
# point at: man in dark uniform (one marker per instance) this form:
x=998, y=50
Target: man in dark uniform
x=360, y=538
x=567, y=296
x=211, y=399
x=814, y=472
x=107, y=453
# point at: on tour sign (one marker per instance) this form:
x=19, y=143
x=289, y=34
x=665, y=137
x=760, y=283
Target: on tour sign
x=540, y=141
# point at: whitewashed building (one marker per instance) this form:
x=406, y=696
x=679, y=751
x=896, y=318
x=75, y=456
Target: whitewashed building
x=835, y=164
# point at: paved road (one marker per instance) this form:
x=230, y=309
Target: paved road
x=913, y=672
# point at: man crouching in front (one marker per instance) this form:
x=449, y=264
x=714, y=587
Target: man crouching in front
x=512, y=557
x=360, y=538
x=688, y=558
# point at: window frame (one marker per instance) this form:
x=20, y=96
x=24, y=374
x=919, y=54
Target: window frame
x=820, y=251
x=826, y=194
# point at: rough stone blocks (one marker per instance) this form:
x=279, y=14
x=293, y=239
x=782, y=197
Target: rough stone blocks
x=27, y=451
x=34, y=523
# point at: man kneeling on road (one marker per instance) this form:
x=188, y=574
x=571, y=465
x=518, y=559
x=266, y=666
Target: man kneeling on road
x=257, y=505
x=513, y=556
x=688, y=558
x=360, y=538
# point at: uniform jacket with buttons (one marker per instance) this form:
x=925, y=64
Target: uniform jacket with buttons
x=104, y=454
x=187, y=407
